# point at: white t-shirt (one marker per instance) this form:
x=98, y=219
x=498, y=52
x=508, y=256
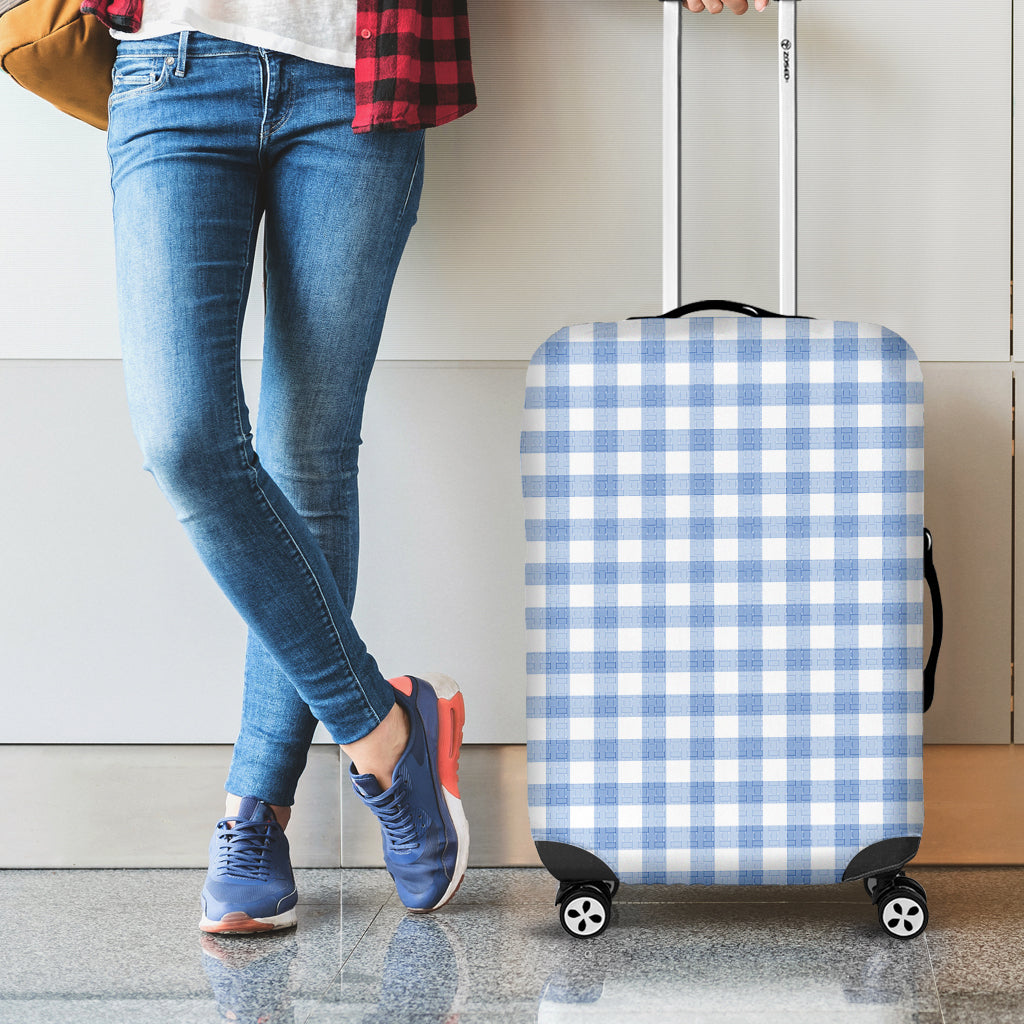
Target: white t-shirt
x=320, y=30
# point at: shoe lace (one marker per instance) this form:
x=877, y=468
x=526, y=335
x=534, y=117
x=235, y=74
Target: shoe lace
x=244, y=848
x=398, y=823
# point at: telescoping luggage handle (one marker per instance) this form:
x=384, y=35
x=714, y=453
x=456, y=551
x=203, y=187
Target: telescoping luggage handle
x=671, y=140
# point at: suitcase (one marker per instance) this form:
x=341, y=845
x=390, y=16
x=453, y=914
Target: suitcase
x=724, y=600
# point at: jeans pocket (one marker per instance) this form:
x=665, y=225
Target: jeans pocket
x=134, y=75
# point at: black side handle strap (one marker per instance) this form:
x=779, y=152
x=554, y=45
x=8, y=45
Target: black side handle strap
x=932, y=580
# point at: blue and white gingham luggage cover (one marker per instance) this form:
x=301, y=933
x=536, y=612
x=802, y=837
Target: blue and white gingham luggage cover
x=724, y=519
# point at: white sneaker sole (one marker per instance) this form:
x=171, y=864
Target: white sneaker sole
x=240, y=923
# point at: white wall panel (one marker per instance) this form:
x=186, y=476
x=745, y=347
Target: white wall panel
x=111, y=630
x=442, y=542
x=904, y=167
x=541, y=207
x=57, y=263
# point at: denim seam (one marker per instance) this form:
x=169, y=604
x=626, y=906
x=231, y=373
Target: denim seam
x=395, y=232
x=412, y=179
x=381, y=307
x=278, y=769
x=157, y=85
x=288, y=109
x=317, y=590
x=179, y=67
x=325, y=607
x=264, y=66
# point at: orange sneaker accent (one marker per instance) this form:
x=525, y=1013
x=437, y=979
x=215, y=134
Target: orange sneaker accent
x=237, y=922
x=451, y=717
x=403, y=683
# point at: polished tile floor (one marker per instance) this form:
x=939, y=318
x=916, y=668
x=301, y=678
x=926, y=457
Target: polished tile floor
x=122, y=946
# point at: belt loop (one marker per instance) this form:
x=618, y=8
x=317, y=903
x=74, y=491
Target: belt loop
x=182, y=48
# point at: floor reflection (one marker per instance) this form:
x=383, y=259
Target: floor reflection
x=423, y=973
x=498, y=954
x=251, y=976
x=706, y=964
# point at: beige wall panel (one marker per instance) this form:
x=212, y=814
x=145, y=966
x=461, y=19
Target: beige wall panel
x=1018, y=234
x=903, y=108
x=973, y=807
x=96, y=791
x=968, y=509
x=1018, y=549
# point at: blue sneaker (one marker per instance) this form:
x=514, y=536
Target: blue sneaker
x=250, y=886
x=425, y=833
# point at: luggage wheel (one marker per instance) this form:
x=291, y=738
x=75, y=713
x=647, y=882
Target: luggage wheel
x=584, y=908
x=902, y=904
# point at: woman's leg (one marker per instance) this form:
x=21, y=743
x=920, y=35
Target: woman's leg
x=197, y=153
x=339, y=209
x=189, y=164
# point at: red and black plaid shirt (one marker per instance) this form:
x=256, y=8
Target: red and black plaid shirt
x=412, y=59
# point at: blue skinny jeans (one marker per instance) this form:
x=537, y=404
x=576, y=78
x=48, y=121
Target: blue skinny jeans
x=207, y=137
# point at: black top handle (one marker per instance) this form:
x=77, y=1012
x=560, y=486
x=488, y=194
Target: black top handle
x=727, y=304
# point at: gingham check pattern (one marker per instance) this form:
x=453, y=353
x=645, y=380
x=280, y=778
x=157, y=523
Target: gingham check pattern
x=724, y=595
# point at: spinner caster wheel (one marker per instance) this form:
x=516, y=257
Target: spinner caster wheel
x=903, y=911
x=871, y=885
x=913, y=884
x=585, y=911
